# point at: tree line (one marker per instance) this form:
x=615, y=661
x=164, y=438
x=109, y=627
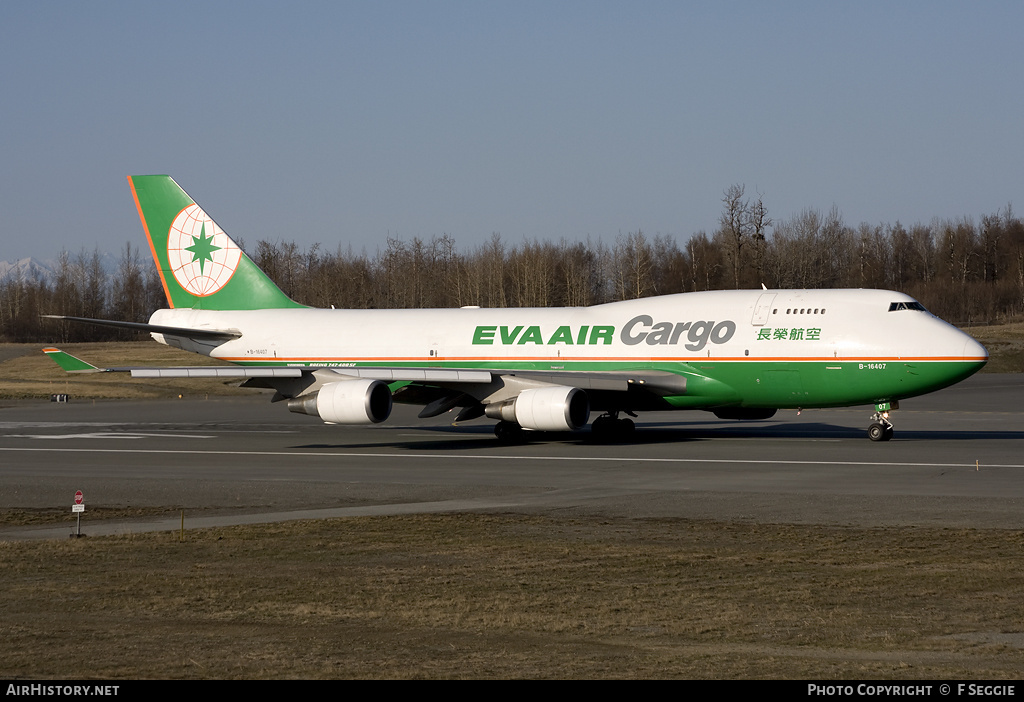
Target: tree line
x=964, y=271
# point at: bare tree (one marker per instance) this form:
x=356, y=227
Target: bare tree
x=128, y=298
x=734, y=225
x=633, y=265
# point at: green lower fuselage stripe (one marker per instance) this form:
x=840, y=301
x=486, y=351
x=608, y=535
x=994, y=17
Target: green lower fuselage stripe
x=711, y=383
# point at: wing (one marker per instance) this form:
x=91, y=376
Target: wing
x=186, y=332
x=439, y=390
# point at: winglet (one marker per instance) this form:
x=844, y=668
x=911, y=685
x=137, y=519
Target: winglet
x=69, y=363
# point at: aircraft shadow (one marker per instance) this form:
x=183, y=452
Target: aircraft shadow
x=822, y=430
x=478, y=438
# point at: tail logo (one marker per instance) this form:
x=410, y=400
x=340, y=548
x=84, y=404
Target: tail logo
x=202, y=257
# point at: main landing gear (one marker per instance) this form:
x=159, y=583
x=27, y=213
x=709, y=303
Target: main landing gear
x=509, y=432
x=609, y=427
x=881, y=428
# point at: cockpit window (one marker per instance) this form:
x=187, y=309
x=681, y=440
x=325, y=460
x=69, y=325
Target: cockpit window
x=893, y=306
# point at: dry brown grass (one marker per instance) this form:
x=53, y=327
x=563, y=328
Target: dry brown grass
x=39, y=516
x=467, y=596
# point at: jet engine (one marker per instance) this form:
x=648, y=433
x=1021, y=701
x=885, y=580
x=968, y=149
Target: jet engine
x=553, y=408
x=355, y=401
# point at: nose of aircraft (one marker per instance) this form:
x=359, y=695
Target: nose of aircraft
x=974, y=350
x=957, y=345
x=961, y=354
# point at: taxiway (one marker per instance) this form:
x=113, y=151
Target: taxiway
x=957, y=460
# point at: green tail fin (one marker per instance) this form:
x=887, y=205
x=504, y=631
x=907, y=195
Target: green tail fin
x=200, y=266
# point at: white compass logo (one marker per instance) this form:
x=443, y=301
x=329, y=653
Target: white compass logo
x=202, y=257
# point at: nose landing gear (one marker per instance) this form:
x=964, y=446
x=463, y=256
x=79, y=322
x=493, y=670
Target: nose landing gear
x=881, y=428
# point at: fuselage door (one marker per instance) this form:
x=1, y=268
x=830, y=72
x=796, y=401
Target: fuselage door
x=433, y=352
x=762, y=309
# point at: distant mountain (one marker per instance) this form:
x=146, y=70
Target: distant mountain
x=29, y=269
x=46, y=269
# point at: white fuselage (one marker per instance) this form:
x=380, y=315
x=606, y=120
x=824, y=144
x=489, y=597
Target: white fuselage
x=740, y=325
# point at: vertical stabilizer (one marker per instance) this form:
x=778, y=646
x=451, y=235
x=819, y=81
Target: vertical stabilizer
x=200, y=266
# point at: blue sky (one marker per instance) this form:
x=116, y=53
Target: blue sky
x=347, y=122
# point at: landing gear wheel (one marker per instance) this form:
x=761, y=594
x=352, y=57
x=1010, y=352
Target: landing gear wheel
x=611, y=428
x=880, y=428
x=509, y=432
x=880, y=432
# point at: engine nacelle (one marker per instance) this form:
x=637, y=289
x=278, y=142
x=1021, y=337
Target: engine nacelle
x=347, y=402
x=553, y=408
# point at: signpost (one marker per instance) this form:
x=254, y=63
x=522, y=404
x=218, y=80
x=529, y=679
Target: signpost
x=78, y=508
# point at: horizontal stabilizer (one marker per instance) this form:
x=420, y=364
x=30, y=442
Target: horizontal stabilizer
x=76, y=365
x=69, y=363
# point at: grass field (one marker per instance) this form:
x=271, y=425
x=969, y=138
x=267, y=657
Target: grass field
x=496, y=596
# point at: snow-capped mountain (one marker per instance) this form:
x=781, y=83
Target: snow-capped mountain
x=28, y=269
x=46, y=269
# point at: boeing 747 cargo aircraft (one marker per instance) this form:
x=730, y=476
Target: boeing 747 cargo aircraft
x=741, y=354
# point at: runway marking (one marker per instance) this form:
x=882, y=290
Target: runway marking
x=165, y=432
x=108, y=435
x=491, y=457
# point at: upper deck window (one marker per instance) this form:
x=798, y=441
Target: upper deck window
x=893, y=306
